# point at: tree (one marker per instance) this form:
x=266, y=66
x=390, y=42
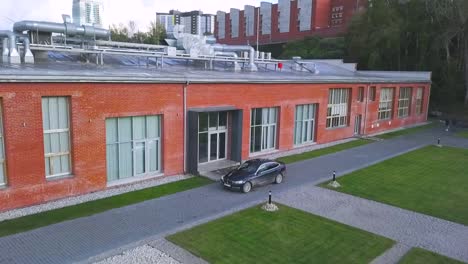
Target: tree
x=422, y=35
x=315, y=48
x=156, y=33
x=119, y=33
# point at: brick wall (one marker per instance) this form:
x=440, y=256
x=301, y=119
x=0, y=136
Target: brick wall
x=91, y=104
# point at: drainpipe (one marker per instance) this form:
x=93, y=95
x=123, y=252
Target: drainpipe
x=365, y=110
x=185, y=126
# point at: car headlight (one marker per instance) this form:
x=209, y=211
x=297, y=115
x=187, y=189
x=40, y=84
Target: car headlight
x=237, y=182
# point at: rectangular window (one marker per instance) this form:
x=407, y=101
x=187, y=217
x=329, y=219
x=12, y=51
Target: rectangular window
x=361, y=94
x=404, y=102
x=133, y=146
x=56, y=124
x=263, y=126
x=2, y=152
x=386, y=103
x=372, y=93
x=304, y=125
x=338, y=107
x=419, y=100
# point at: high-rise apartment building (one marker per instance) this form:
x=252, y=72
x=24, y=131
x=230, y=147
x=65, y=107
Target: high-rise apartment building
x=194, y=22
x=88, y=12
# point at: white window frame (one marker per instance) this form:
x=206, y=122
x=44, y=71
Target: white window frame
x=48, y=156
x=404, y=102
x=3, y=180
x=146, y=141
x=304, y=123
x=419, y=100
x=338, y=107
x=386, y=103
x=268, y=126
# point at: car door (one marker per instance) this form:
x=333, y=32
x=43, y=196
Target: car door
x=259, y=177
x=271, y=172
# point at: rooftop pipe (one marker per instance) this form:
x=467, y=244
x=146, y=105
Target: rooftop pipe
x=69, y=29
x=13, y=54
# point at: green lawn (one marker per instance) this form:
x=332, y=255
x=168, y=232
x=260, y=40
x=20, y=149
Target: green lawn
x=406, y=131
x=430, y=180
x=30, y=222
x=324, y=151
x=463, y=134
x=286, y=236
x=421, y=256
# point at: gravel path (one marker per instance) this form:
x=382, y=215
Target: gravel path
x=89, y=197
x=392, y=255
x=407, y=227
x=145, y=254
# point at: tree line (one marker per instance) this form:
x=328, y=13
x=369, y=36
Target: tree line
x=405, y=35
x=155, y=33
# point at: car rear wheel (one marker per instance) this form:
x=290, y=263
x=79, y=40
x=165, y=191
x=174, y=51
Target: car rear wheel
x=279, y=178
x=246, y=187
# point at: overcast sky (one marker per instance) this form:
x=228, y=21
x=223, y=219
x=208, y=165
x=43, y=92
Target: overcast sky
x=116, y=11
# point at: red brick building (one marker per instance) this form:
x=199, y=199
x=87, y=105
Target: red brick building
x=68, y=131
x=288, y=20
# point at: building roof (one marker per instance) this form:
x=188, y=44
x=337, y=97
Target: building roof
x=62, y=67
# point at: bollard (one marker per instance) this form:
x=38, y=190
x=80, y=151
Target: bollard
x=269, y=197
x=334, y=175
x=438, y=141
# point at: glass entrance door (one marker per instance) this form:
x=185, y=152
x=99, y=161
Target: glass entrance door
x=212, y=130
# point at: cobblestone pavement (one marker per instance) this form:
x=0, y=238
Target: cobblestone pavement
x=112, y=232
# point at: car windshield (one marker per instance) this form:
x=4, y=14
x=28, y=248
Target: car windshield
x=248, y=166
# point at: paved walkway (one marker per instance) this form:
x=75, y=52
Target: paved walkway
x=123, y=228
x=404, y=226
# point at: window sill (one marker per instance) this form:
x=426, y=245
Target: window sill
x=59, y=177
x=3, y=186
x=334, y=128
x=262, y=153
x=303, y=145
x=133, y=180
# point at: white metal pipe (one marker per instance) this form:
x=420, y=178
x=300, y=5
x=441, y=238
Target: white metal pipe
x=64, y=28
x=239, y=48
x=229, y=54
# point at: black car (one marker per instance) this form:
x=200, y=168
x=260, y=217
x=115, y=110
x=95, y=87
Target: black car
x=254, y=172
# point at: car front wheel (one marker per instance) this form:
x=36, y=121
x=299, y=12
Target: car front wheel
x=246, y=187
x=279, y=178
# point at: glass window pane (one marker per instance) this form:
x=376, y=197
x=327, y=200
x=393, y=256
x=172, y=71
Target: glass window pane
x=54, y=143
x=265, y=116
x=139, y=127
x=139, y=157
x=62, y=112
x=47, y=147
x=112, y=158
x=125, y=160
x=203, y=122
x=213, y=146
x=223, y=120
x=125, y=129
x=153, y=152
x=47, y=166
x=64, y=142
x=213, y=120
x=273, y=115
x=202, y=147
x=45, y=113
x=222, y=145
x=271, y=136
x=65, y=162
x=152, y=126
x=111, y=130
x=258, y=116
x=258, y=139
x=53, y=113
x=300, y=113
x=55, y=165
x=298, y=132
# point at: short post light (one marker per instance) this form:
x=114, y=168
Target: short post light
x=269, y=206
x=438, y=143
x=334, y=183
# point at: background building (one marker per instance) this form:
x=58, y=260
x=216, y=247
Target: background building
x=88, y=12
x=194, y=22
x=287, y=20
